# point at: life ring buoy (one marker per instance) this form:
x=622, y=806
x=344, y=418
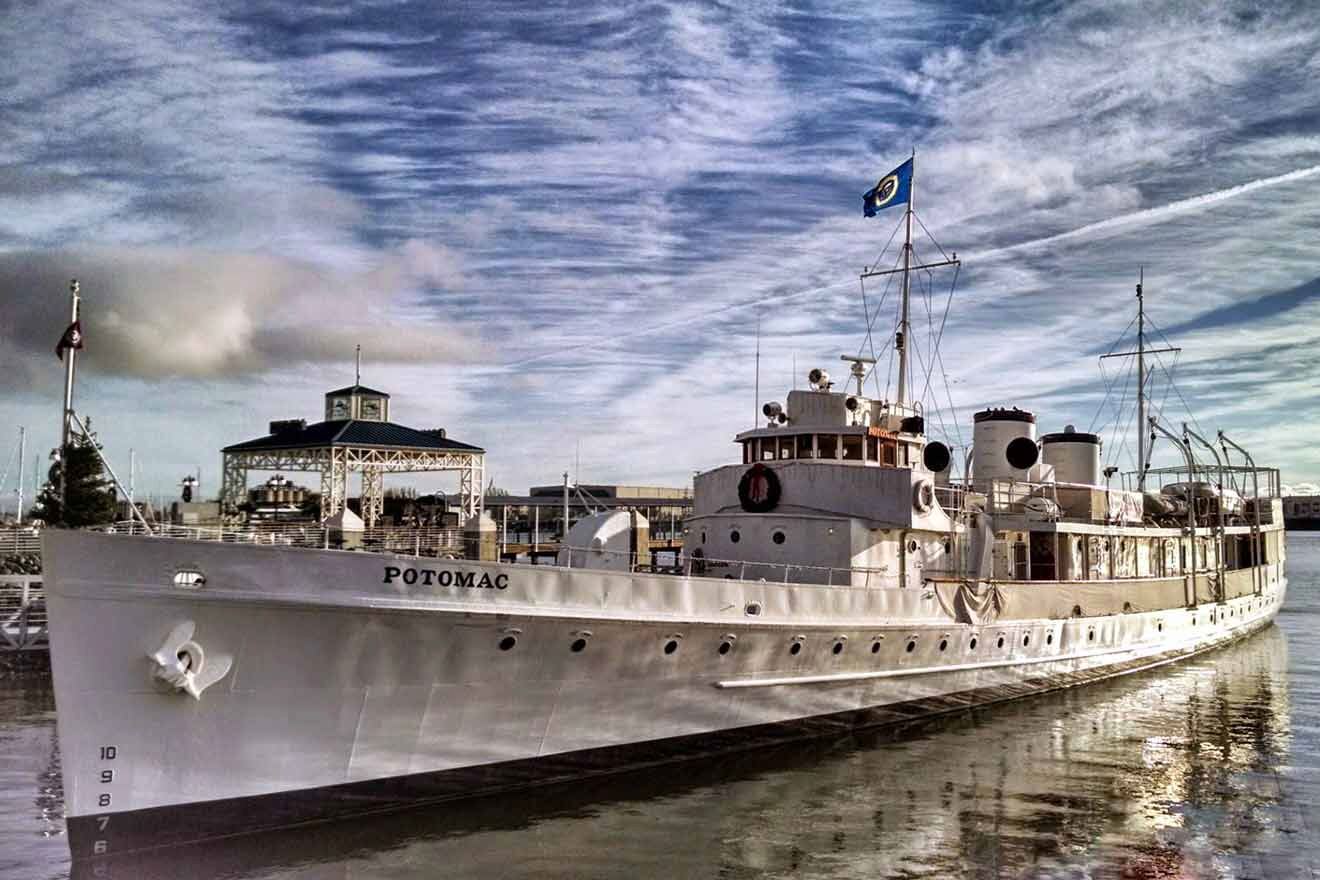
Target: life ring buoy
x=759, y=489
x=923, y=496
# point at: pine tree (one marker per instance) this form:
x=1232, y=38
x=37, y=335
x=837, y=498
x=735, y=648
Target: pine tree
x=90, y=496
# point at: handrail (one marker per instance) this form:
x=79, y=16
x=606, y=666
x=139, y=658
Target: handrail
x=1186, y=450
x=1255, y=497
x=1219, y=502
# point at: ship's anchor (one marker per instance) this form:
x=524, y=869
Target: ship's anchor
x=182, y=664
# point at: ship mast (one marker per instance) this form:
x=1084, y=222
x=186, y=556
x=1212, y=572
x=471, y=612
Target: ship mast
x=901, y=338
x=1143, y=451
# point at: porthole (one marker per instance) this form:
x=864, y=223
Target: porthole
x=944, y=643
x=189, y=579
x=1159, y=627
x=703, y=536
x=911, y=645
x=578, y=646
x=1001, y=641
x=671, y=646
x=1026, y=640
x=971, y=646
x=777, y=537
x=725, y=647
x=912, y=546
x=875, y=647
x=946, y=546
x=1090, y=635
x=735, y=536
x=838, y=647
x=1193, y=621
x=507, y=643
x=795, y=648
x=1049, y=639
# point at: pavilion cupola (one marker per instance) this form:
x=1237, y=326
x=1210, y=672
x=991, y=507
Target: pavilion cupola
x=357, y=402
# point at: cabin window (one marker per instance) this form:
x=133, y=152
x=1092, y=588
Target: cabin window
x=828, y=444
x=852, y=447
x=804, y=446
x=786, y=446
x=872, y=449
x=889, y=453
x=767, y=449
x=747, y=452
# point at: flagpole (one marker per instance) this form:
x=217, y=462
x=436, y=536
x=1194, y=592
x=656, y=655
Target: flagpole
x=901, y=342
x=68, y=399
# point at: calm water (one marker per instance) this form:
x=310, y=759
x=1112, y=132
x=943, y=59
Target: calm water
x=1210, y=768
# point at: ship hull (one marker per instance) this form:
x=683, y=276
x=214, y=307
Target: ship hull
x=352, y=691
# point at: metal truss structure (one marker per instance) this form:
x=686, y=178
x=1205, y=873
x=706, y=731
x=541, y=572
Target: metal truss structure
x=336, y=462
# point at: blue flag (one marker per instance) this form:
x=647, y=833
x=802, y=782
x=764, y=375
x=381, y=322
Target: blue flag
x=895, y=188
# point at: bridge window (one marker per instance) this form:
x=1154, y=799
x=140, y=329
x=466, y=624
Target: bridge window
x=786, y=447
x=748, y=456
x=767, y=449
x=852, y=447
x=828, y=444
x=804, y=446
x=889, y=454
x=872, y=449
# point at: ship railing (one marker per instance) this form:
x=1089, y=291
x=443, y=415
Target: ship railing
x=1246, y=494
x=22, y=613
x=691, y=565
x=1085, y=503
x=418, y=541
x=19, y=541
x=951, y=498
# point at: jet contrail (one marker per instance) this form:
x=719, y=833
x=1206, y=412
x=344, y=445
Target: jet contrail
x=1151, y=215
x=1136, y=218
x=677, y=322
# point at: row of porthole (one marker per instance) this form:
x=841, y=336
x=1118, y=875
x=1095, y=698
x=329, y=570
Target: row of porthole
x=671, y=646
x=735, y=536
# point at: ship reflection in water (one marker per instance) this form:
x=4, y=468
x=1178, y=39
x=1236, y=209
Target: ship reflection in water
x=1186, y=771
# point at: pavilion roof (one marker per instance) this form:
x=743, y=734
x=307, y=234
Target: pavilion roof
x=354, y=432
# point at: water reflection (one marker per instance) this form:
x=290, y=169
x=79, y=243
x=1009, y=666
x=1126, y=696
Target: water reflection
x=1172, y=773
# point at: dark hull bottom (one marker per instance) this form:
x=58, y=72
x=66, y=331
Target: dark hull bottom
x=157, y=827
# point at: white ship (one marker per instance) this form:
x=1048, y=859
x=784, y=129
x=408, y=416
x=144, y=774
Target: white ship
x=836, y=576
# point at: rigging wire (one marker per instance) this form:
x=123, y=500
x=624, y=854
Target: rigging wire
x=889, y=279
x=870, y=340
x=1109, y=385
x=928, y=235
x=1118, y=419
x=1174, y=385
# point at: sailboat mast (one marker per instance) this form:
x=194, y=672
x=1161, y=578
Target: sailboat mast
x=1141, y=382
x=901, y=340
x=22, y=450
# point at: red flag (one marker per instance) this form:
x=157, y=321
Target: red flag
x=72, y=338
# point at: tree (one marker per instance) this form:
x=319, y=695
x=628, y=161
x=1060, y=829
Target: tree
x=90, y=496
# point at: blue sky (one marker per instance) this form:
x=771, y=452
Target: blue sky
x=554, y=227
